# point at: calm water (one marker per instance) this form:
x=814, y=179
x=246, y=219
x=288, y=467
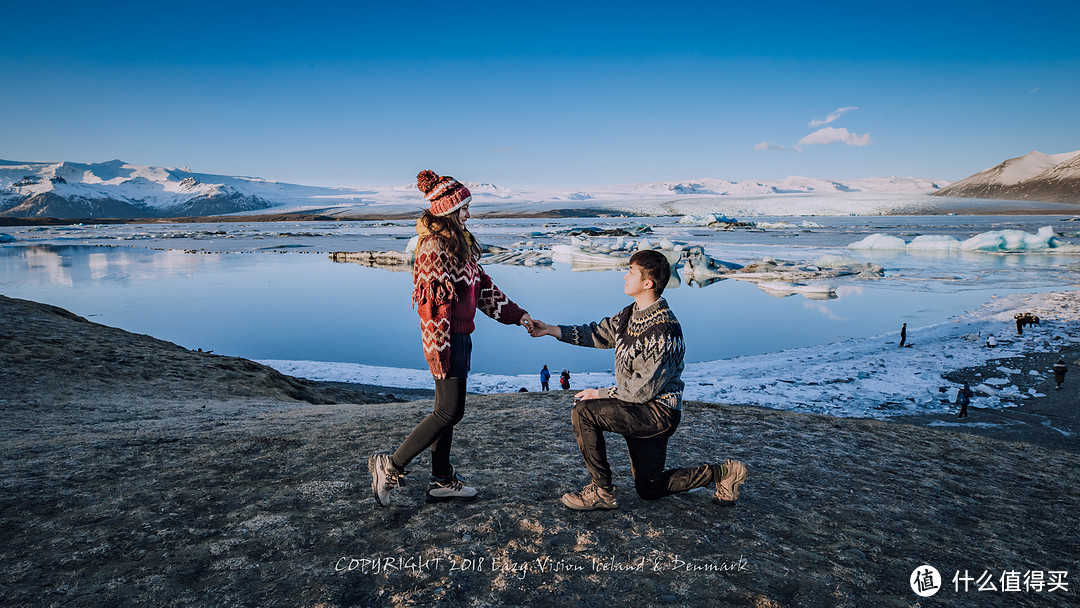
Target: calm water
x=305, y=307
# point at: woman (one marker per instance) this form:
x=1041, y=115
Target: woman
x=448, y=287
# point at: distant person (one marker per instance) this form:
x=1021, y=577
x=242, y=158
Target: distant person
x=645, y=406
x=963, y=399
x=991, y=342
x=903, y=334
x=564, y=380
x=545, y=378
x=448, y=287
x=1059, y=373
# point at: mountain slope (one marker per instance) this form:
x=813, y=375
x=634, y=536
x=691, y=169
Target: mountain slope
x=1032, y=177
x=116, y=189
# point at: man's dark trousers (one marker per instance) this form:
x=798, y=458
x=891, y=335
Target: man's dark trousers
x=646, y=428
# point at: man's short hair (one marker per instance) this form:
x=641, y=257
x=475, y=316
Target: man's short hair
x=655, y=267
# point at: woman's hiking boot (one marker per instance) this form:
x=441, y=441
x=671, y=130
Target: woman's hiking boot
x=384, y=477
x=447, y=488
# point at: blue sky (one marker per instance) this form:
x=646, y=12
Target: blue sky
x=542, y=95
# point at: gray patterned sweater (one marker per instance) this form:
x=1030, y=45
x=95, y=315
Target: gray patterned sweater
x=649, y=352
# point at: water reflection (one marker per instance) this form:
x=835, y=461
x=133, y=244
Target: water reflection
x=293, y=306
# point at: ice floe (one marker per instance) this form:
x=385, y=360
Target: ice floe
x=996, y=241
x=689, y=262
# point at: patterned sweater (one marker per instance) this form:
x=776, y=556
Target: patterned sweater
x=447, y=296
x=649, y=352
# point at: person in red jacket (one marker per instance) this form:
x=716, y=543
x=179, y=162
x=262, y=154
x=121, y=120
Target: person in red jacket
x=448, y=287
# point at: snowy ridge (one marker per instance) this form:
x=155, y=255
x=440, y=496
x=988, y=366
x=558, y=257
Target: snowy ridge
x=119, y=189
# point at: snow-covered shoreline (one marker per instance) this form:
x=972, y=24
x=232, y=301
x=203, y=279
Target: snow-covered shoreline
x=862, y=377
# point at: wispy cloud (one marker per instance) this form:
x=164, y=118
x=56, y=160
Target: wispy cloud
x=837, y=113
x=830, y=135
x=826, y=135
x=1035, y=90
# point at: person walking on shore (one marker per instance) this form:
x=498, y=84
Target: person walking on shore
x=645, y=406
x=545, y=378
x=1059, y=373
x=564, y=380
x=449, y=285
x=963, y=398
x=903, y=334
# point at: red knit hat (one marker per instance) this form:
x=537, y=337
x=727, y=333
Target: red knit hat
x=445, y=193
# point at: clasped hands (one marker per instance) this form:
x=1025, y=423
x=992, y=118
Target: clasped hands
x=537, y=328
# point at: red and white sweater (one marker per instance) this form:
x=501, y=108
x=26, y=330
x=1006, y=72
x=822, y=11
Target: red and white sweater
x=447, y=296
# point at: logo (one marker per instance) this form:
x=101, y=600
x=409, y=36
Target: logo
x=925, y=581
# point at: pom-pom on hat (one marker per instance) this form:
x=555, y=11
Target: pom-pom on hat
x=445, y=193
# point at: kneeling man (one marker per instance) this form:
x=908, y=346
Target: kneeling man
x=645, y=406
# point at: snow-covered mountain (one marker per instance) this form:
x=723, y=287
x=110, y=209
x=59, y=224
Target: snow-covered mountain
x=121, y=190
x=1032, y=177
x=117, y=189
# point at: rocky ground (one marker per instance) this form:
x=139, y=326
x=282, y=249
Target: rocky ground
x=137, y=472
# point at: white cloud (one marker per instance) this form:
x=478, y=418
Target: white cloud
x=830, y=135
x=1035, y=90
x=831, y=117
x=769, y=146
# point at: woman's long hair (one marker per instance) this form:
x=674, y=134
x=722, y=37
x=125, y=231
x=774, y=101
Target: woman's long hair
x=452, y=234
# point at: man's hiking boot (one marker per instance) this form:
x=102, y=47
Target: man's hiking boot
x=727, y=488
x=449, y=488
x=384, y=477
x=591, y=498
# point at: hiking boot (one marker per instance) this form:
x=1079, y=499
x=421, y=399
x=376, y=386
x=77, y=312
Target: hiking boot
x=449, y=488
x=591, y=498
x=384, y=477
x=727, y=488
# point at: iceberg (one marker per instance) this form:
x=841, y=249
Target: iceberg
x=879, y=241
x=1018, y=240
x=837, y=261
x=582, y=254
x=934, y=242
x=995, y=241
x=705, y=220
x=813, y=291
x=782, y=224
